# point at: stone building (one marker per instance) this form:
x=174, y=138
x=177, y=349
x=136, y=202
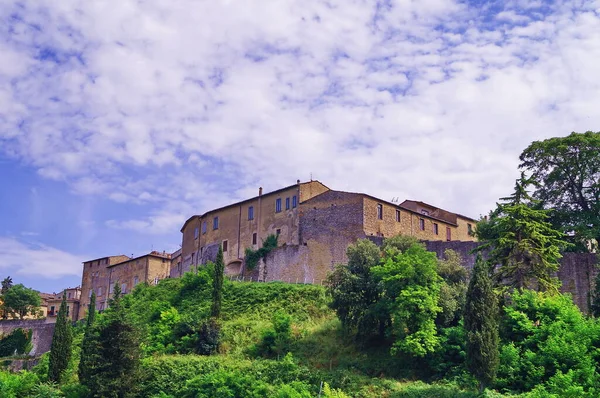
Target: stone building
x=314, y=225
x=100, y=276
x=73, y=301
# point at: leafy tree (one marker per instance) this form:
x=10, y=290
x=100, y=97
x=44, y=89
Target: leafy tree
x=567, y=173
x=60, y=350
x=276, y=340
x=89, y=345
x=217, y=292
x=453, y=289
x=209, y=337
x=355, y=292
x=21, y=300
x=481, y=326
x=116, y=370
x=411, y=293
x=522, y=244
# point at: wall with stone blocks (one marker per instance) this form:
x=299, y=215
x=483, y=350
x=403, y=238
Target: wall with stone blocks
x=41, y=338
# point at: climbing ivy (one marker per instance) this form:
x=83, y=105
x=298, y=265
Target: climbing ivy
x=253, y=256
x=16, y=343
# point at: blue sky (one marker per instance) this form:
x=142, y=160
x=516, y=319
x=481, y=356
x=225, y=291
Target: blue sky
x=120, y=120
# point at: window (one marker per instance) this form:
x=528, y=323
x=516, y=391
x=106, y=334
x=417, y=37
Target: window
x=156, y=280
x=196, y=233
x=448, y=234
x=136, y=280
x=251, y=213
x=216, y=223
x=111, y=288
x=123, y=288
x=278, y=205
x=69, y=295
x=422, y=224
x=51, y=310
x=193, y=254
x=203, y=227
x=294, y=201
x=425, y=212
x=398, y=215
x=225, y=244
x=287, y=203
x=99, y=291
x=380, y=211
x=435, y=229
x=278, y=232
x=68, y=308
x=91, y=291
x=254, y=238
x=470, y=228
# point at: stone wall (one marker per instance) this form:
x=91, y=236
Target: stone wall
x=41, y=338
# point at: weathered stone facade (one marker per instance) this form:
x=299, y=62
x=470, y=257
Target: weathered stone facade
x=73, y=301
x=41, y=337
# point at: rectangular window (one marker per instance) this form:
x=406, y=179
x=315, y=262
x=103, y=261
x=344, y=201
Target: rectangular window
x=380, y=211
x=111, y=288
x=68, y=308
x=51, y=310
x=470, y=228
x=278, y=232
x=287, y=203
x=254, y=238
x=204, y=227
x=425, y=212
x=294, y=201
x=216, y=223
x=435, y=229
x=69, y=295
x=196, y=233
x=99, y=291
x=123, y=288
x=448, y=234
x=193, y=255
x=422, y=224
x=278, y=205
x=251, y=213
x=91, y=291
x=225, y=246
x=398, y=215
x=136, y=280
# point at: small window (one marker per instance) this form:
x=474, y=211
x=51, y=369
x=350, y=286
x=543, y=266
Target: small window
x=287, y=203
x=225, y=246
x=470, y=228
x=123, y=288
x=193, y=255
x=51, y=310
x=111, y=288
x=278, y=205
x=216, y=223
x=422, y=224
x=196, y=233
x=69, y=295
x=425, y=212
x=294, y=201
x=251, y=213
x=278, y=232
x=435, y=229
x=99, y=291
x=68, y=308
x=448, y=234
x=398, y=215
x=204, y=227
x=380, y=211
x=136, y=280
x=90, y=295
x=254, y=238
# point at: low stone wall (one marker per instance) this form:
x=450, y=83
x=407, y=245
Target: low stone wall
x=41, y=337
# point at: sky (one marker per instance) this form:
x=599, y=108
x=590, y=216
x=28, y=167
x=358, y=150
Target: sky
x=121, y=119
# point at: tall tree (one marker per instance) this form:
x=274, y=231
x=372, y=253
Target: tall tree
x=115, y=372
x=89, y=345
x=522, y=244
x=60, y=350
x=567, y=170
x=481, y=326
x=7, y=283
x=21, y=301
x=217, y=291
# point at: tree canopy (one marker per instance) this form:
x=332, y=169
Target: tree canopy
x=567, y=173
x=20, y=300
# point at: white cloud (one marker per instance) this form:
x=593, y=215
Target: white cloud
x=189, y=105
x=33, y=259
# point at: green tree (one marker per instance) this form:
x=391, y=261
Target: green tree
x=567, y=172
x=453, y=289
x=115, y=373
x=481, y=326
x=355, y=292
x=411, y=288
x=7, y=283
x=217, y=292
x=89, y=345
x=21, y=301
x=60, y=350
x=522, y=244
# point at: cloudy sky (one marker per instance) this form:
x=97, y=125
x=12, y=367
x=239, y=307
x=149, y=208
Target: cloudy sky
x=120, y=119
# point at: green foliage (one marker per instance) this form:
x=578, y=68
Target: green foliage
x=217, y=292
x=547, y=344
x=276, y=340
x=595, y=298
x=18, y=385
x=567, y=172
x=20, y=300
x=209, y=337
x=252, y=257
x=89, y=345
x=481, y=326
x=16, y=343
x=356, y=293
x=521, y=242
x=411, y=293
x=61, y=348
x=453, y=289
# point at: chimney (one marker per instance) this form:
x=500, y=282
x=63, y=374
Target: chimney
x=260, y=191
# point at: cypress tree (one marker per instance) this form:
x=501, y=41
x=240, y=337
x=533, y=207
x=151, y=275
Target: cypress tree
x=481, y=326
x=89, y=344
x=217, y=293
x=60, y=350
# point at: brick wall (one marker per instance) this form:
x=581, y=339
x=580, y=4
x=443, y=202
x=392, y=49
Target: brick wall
x=41, y=338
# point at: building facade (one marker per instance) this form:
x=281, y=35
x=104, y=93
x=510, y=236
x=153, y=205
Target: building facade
x=314, y=225
x=73, y=300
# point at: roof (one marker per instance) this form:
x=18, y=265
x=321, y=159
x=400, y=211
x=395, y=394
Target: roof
x=246, y=201
x=166, y=256
x=102, y=258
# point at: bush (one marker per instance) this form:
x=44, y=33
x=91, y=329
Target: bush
x=16, y=343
